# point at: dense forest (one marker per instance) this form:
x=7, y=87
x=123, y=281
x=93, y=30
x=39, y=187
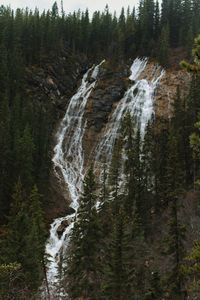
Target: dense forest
x=115, y=258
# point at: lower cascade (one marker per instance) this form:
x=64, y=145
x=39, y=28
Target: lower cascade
x=68, y=156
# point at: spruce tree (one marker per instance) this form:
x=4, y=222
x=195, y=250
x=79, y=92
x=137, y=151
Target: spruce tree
x=114, y=279
x=5, y=154
x=194, y=68
x=175, y=248
x=191, y=270
x=82, y=271
x=163, y=55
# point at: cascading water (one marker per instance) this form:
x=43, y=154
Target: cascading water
x=138, y=101
x=68, y=165
x=68, y=154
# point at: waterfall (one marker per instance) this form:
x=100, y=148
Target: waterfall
x=68, y=163
x=68, y=156
x=138, y=101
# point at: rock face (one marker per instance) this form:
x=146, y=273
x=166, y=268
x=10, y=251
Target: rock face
x=166, y=92
x=62, y=227
x=49, y=86
x=53, y=84
x=110, y=89
x=111, y=86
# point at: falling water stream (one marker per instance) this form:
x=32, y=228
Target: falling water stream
x=138, y=101
x=68, y=153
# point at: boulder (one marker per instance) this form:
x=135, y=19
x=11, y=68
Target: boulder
x=70, y=211
x=64, y=224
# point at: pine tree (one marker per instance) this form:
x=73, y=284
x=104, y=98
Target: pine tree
x=157, y=21
x=82, y=273
x=5, y=161
x=12, y=282
x=18, y=226
x=175, y=248
x=163, y=55
x=35, y=238
x=24, y=158
x=191, y=270
x=136, y=255
x=26, y=232
x=115, y=189
x=195, y=67
x=155, y=291
x=114, y=265
x=3, y=71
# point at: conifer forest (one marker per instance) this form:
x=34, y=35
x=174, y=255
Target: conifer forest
x=100, y=152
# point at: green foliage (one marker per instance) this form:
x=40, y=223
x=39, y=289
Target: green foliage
x=175, y=248
x=82, y=271
x=25, y=233
x=195, y=67
x=195, y=141
x=191, y=269
x=163, y=55
x=30, y=34
x=9, y=278
x=155, y=170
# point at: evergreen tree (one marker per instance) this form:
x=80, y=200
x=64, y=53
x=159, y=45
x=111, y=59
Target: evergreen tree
x=26, y=232
x=163, y=54
x=175, y=248
x=83, y=272
x=35, y=239
x=24, y=158
x=5, y=161
x=194, y=68
x=115, y=273
x=190, y=270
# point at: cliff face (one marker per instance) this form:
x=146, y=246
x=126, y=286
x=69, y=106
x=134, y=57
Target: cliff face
x=166, y=92
x=49, y=87
x=110, y=89
x=55, y=82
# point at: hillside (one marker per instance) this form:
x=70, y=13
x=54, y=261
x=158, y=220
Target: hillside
x=99, y=153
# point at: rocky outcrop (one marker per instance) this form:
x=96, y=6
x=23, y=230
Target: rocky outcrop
x=49, y=87
x=111, y=86
x=54, y=81
x=110, y=89
x=166, y=92
x=64, y=224
x=167, y=88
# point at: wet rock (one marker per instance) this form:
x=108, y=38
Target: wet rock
x=101, y=103
x=64, y=224
x=70, y=211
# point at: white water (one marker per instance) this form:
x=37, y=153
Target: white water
x=68, y=165
x=138, y=101
x=68, y=154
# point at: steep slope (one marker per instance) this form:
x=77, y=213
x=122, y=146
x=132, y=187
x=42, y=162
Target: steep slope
x=69, y=153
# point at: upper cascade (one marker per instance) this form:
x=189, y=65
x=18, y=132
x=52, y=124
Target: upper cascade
x=138, y=101
x=68, y=163
x=137, y=68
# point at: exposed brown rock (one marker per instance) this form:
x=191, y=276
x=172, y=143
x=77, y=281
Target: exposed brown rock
x=54, y=84
x=64, y=224
x=166, y=92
